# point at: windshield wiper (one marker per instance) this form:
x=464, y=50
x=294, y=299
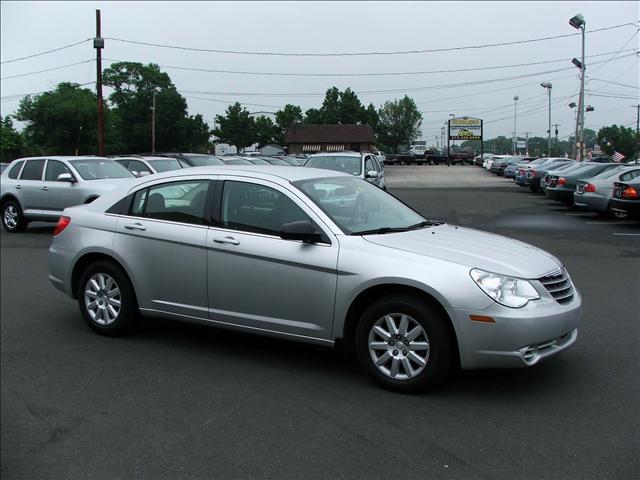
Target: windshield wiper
x=426, y=223
x=378, y=231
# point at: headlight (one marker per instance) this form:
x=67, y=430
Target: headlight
x=508, y=291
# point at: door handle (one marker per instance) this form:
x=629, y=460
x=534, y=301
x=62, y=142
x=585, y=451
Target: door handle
x=45, y=188
x=18, y=187
x=229, y=240
x=135, y=226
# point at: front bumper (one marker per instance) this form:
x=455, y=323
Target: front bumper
x=519, y=337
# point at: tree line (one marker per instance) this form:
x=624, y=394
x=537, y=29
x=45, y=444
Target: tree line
x=64, y=121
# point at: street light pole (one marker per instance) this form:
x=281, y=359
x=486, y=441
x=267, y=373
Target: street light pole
x=515, y=118
x=526, y=136
x=153, y=124
x=579, y=23
x=548, y=86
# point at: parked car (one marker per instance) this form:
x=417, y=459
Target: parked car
x=511, y=169
x=235, y=160
x=479, y=160
x=535, y=174
x=148, y=165
x=521, y=174
x=289, y=253
x=40, y=188
x=626, y=198
x=562, y=185
x=294, y=162
x=498, y=166
x=256, y=161
x=596, y=192
x=276, y=161
x=566, y=168
x=363, y=165
x=194, y=159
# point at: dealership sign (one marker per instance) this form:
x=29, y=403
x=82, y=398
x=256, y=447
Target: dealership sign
x=465, y=128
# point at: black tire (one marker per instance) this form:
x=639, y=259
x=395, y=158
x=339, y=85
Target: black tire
x=11, y=210
x=128, y=316
x=442, y=353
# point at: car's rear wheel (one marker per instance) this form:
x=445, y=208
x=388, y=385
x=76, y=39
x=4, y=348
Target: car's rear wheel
x=404, y=344
x=13, y=219
x=107, y=300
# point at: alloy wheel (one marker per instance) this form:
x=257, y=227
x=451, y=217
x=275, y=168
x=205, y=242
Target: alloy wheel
x=10, y=217
x=398, y=346
x=102, y=299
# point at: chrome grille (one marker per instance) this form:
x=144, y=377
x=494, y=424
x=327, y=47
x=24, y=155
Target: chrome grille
x=558, y=284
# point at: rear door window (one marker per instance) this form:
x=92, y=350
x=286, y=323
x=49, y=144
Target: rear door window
x=182, y=202
x=33, y=170
x=15, y=170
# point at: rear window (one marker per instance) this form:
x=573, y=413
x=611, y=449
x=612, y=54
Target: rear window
x=203, y=160
x=15, y=170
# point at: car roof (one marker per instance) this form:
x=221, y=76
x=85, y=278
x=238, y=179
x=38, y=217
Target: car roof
x=289, y=173
x=334, y=154
x=66, y=157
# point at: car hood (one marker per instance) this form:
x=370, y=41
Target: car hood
x=473, y=248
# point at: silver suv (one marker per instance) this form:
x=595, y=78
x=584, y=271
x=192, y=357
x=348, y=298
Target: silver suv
x=363, y=165
x=40, y=188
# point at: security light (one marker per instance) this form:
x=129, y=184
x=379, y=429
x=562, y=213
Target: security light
x=516, y=98
x=577, y=63
x=577, y=22
x=590, y=108
x=572, y=105
x=546, y=85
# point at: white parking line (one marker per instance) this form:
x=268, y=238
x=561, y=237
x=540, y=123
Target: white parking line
x=583, y=214
x=628, y=234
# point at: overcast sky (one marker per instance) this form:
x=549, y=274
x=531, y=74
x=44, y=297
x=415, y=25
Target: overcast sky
x=345, y=27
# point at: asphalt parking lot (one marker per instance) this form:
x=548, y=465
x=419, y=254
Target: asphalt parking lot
x=181, y=401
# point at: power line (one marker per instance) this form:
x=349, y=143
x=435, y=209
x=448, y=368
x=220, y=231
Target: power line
x=18, y=95
x=350, y=54
x=612, y=82
x=230, y=102
x=373, y=74
x=47, y=69
x=46, y=52
x=619, y=50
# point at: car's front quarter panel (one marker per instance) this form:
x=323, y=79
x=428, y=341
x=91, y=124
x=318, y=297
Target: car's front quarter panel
x=363, y=265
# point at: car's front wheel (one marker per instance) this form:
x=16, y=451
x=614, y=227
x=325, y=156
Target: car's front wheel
x=107, y=300
x=404, y=344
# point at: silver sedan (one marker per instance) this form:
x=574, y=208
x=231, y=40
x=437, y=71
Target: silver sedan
x=315, y=256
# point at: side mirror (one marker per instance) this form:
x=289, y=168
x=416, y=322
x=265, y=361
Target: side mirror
x=372, y=174
x=302, y=230
x=144, y=173
x=135, y=173
x=66, y=177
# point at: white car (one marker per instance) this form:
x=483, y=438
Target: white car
x=148, y=165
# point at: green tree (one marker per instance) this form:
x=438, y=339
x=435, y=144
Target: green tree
x=617, y=139
x=330, y=110
x=289, y=115
x=11, y=142
x=350, y=110
x=400, y=122
x=371, y=118
x=265, y=131
x=236, y=127
x=313, y=117
x=134, y=85
x=63, y=121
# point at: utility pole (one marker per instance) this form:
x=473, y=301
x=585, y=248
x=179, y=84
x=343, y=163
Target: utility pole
x=153, y=124
x=515, y=129
x=637, y=107
x=555, y=150
x=582, y=98
x=98, y=44
x=526, y=136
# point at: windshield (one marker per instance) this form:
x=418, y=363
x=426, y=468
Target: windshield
x=203, y=160
x=357, y=206
x=344, y=164
x=165, y=165
x=259, y=161
x=96, y=169
x=237, y=161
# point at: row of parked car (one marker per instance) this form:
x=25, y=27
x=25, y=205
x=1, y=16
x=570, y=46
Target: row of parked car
x=601, y=185
x=40, y=188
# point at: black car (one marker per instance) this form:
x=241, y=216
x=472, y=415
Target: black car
x=561, y=187
x=626, y=198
